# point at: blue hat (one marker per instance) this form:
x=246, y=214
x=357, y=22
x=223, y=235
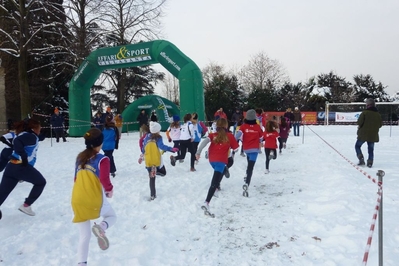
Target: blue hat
x=176, y=118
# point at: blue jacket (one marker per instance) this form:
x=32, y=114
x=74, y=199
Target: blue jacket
x=57, y=122
x=25, y=147
x=197, y=132
x=160, y=143
x=110, y=139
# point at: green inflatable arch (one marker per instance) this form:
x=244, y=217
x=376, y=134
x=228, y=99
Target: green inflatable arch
x=164, y=109
x=145, y=53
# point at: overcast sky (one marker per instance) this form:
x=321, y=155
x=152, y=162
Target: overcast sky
x=308, y=37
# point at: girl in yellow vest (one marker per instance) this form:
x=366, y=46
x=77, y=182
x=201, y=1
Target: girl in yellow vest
x=152, y=143
x=90, y=191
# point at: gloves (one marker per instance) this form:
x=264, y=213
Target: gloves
x=170, y=140
x=175, y=149
x=24, y=161
x=109, y=194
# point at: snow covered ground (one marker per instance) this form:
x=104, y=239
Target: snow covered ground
x=314, y=208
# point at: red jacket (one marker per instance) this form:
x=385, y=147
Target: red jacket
x=251, y=134
x=220, y=114
x=220, y=152
x=270, y=139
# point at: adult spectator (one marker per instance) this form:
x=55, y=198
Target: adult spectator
x=297, y=121
x=108, y=116
x=289, y=116
x=220, y=113
x=57, y=123
x=142, y=118
x=369, y=124
x=154, y=117
x=119, y=124
x=98, y=121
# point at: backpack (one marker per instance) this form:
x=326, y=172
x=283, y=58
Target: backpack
x=152, y=155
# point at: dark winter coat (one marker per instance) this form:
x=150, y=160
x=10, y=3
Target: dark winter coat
x=297, y=116
x=57, y=122
x=369, y=123
x=290, y=116
x=236, y=117
x=98, y=122
x=143, y=119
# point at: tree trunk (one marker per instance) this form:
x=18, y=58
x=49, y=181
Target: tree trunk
x=24, y=85
x=121, y=92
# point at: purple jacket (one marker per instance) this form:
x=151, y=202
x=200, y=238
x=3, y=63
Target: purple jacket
x=284, y=131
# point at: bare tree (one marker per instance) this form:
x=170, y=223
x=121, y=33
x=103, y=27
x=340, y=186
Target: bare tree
x=171, y=88
x=28, y=29
x=84, y=21
x=131, y=21
x=211, y=74
x=263, y=73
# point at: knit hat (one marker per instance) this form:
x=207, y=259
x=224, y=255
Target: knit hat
x=155, y=127
x=176, y=118
x=251, y=115
x=93, y=139
x=370, y=102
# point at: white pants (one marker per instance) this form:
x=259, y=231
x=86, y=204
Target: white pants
x=109, y=217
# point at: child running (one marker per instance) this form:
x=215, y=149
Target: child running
x=111, y=142
x=269, y=136
x=90, y=191
x=173, y=132
x=186, y=139
x=21, y=164
x=284, y=131
x=152, y=156
x=221, y=143
x=251, y=134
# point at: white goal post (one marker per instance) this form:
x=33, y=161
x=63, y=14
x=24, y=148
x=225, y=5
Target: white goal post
x=326, y=118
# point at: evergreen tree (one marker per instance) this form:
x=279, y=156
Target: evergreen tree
x=366, y=87
x=221, y=90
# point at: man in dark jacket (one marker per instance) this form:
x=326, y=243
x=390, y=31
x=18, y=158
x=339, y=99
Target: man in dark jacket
x=369, y=124
x=57, y=123
x=142, y=118
x=289, y=116
x=297, y=121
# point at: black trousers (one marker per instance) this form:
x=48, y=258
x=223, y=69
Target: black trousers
x=59, y=134
x=185, y=145
x=217, y=177
x=4, y=158
x=109, y=154
x=15, y=172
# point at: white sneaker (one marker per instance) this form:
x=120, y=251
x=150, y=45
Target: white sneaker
x=271, y=154
x=27, y=210
x=267, y=171
x=284, y=145
x=206, y=206
x=102, y=240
